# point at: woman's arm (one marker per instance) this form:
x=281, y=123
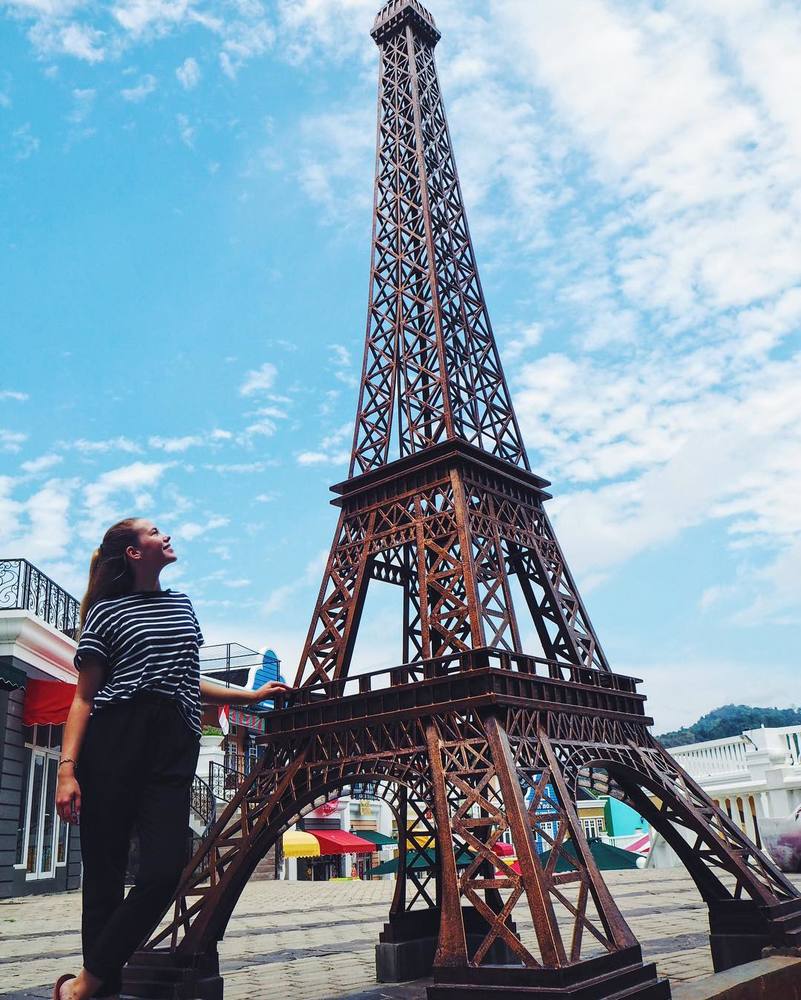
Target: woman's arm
x=215, y=694
x=68, y=792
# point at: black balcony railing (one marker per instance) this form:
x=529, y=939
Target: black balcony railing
x=224, y=780
x=203, y=801
x=24, y=587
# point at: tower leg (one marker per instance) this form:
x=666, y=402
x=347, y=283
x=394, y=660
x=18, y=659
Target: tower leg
x=408, y=942
x=581, y=947
x=752, y=905
x=406, y=946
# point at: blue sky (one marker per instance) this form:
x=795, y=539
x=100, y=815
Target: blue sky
x=185, y=197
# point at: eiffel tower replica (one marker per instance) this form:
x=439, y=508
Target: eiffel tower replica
x=473, y=741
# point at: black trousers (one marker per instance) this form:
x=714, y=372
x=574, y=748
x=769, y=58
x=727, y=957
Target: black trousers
x=135, y=771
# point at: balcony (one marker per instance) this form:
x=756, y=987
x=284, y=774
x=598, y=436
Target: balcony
x=743, y=758
x=24, y=587
x=714, y=759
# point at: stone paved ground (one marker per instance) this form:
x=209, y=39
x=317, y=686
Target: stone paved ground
x=298, y=941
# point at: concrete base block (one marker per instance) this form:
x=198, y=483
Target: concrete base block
x=404, y=961
x=408, y=943
x=731, y=950
x=774, y=978
x=618, y=976
x=155, y=975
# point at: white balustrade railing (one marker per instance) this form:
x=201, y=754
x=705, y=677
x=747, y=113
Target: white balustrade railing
x=713, y=758
x=790, y=737
x=730, y=756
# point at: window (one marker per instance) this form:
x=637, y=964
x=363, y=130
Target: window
x=252, y=758
x=42, y=839
x=591, y=828
x=232, y=756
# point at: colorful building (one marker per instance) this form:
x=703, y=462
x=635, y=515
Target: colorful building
x=344, y=838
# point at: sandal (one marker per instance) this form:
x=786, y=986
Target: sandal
x=59, y=984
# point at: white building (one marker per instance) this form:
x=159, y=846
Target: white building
x=754, y=776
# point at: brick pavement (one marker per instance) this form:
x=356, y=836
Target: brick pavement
x=316, y=942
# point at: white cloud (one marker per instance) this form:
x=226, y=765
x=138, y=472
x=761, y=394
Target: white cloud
x=337, y=29
x=340, y=355
x=49, y=533
x=244, y=39
x=177, y=444
x=188, y=73
x=11, y=394
x=241, y=30
x=24, y=142
x=336, y=161
x=41, y=464
x=186, y=131
x=342, y=364
x=36, y=528
x=83, y=102
x=260, y=380
x=157, y=16
x=182, y=443
x=522, y=342
x=729, y=458
x=52, y=34
x=774, y=590
x=313, y=458
x=143, y=89
x=330, y=450
x=192, y=529
x=50, y=8
x=11, y=440
x=279, y=598
x=82, y=42
x=265, y=424
x=236, y=468
x=111, y=496
x=120, y=443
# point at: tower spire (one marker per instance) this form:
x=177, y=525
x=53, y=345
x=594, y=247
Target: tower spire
x=431, y=369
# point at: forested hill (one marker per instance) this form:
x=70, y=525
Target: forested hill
x=730, y=720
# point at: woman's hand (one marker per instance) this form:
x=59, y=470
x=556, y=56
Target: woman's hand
x=271, y=689
x=68, y=796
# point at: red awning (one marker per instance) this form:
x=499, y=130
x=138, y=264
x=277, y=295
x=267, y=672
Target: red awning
x=341, y=842
x=503, y=850
x=47, y=702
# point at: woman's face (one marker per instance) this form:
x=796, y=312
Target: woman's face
x=154, y=548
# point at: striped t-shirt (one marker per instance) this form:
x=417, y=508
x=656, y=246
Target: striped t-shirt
x=148, y=641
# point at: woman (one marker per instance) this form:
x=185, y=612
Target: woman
x=131, y=739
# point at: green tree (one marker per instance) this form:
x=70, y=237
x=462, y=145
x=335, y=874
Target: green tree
x=730, y=720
